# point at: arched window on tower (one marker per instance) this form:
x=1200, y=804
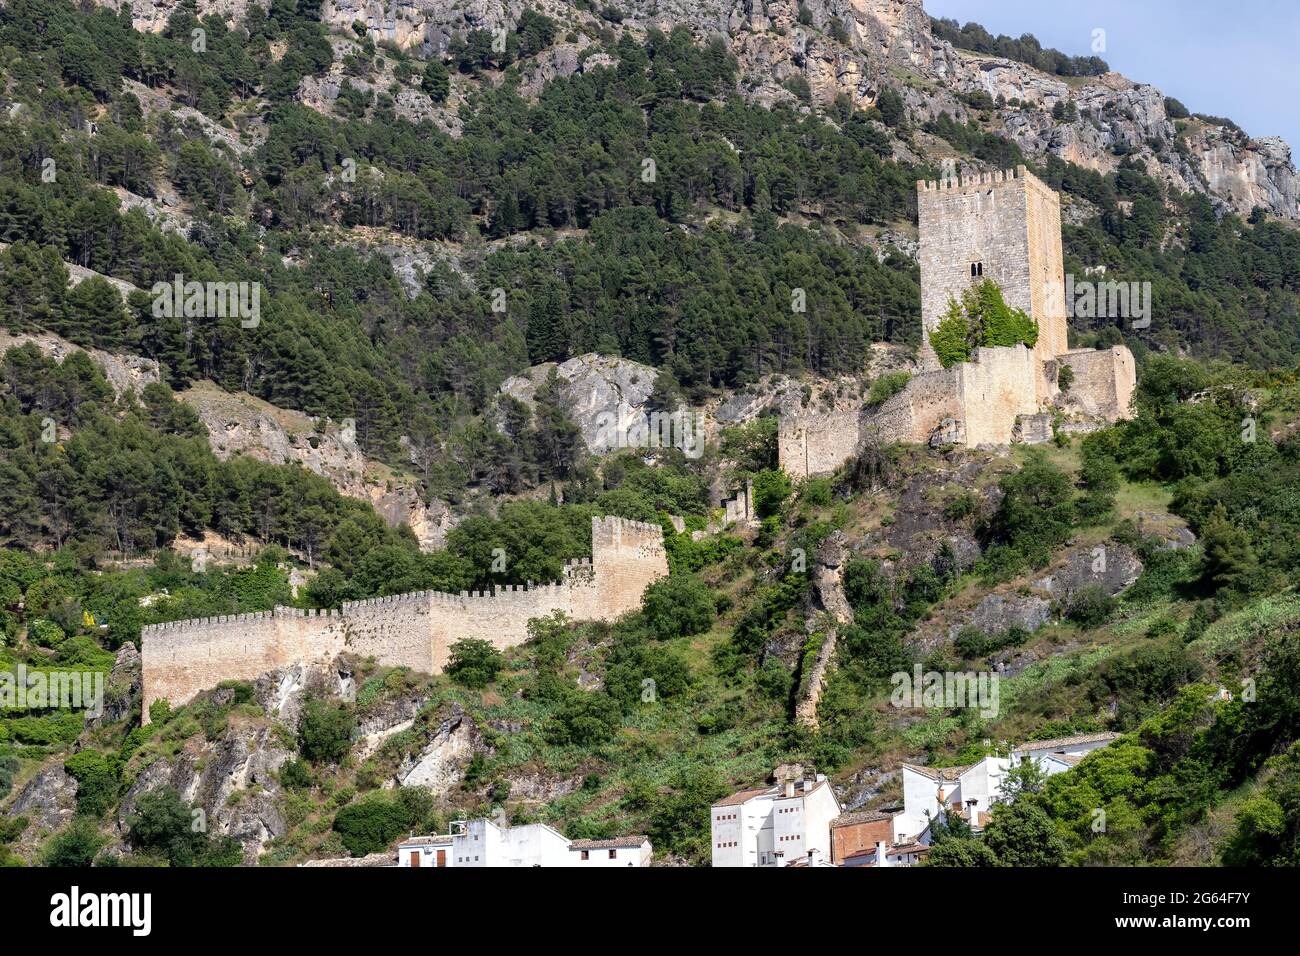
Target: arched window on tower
x=977, y=270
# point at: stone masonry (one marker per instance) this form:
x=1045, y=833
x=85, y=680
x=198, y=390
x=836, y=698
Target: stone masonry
x=1004, y=226
x=182, y=658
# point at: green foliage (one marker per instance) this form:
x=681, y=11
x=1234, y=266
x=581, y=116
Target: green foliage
x=1021, y=834
x=325, y=730
x=1025, y=49
x=961, y=853
x=436, y=81
x=951, y=337
x=74, y=846
x=372, y=824
x=771, y=489
x=1090, y=606
x=164, y=825
x=1035, y=514
x=679, y=605
x=474, y=663
x=97, y=782
x=886, y=386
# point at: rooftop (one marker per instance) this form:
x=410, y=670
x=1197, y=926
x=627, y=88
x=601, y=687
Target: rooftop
x=1059, y=743
x=633, y=840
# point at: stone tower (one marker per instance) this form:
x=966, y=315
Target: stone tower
x=1004, y=226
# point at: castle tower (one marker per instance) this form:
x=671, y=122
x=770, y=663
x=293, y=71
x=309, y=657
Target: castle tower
x=1004, y=226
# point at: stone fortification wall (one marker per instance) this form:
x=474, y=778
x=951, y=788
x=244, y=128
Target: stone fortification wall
x=1104, y=382
x=181, y=658
x=417, y=630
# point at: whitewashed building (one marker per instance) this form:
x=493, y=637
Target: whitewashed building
x=426, y=851
x=479, y=843
x=775, y=826
x=619, y=851
x=971, y=791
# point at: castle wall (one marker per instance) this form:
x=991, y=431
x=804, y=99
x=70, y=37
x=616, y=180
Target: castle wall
x=993, y=389
x=1010, y=224
x=1104, y=382
x=817, y=443
x=182, y=658
x=393, y=630
x=919, y=408
x=417, y=630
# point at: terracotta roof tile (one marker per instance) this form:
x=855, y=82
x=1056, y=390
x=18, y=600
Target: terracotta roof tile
x=615, y=843
x=1062, y=742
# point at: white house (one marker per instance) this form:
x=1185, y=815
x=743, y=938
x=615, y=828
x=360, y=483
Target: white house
x=971, y=791
x=900, y=854
x=776, y=825
x=426, y=851
x=619, y=851
x=930, y=792
x=1062, y=747
x=485, y=843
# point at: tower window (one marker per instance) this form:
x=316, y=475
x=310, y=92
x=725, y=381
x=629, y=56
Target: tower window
x=976, y=270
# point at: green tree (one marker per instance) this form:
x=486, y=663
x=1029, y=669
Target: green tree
x=325, y=730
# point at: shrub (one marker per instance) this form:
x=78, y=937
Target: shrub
x=97, y=782
x=886, y=387
x=325, y=731
x=295, y=775
x=1090, y=606
x=474, y=663
x=678, y=606
x=771, y=488
x=370, y=825
x=75, y=846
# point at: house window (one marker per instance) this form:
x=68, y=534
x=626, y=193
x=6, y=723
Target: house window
x=586, y=855
x=613, y=854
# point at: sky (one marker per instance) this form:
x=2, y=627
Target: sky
x=1240, y=59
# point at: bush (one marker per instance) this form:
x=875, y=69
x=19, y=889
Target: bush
x=771, y=488
x=371, y=825
x=325, y=731
x=886, y=387
x=165, y=825
x=295, y=775
x=474, y=663
x=583, y=719
x=1090, y=606
x=678, y=606
x=97, y=783
x=75, y=846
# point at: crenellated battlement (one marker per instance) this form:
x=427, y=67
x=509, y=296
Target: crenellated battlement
x=416, y=629
x=974, y=180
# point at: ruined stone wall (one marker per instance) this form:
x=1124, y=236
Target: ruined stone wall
x=816, y=443
x=182, y=658
x=417, y=630
x=993, y=390
x=1104, y=382
x=913, y=414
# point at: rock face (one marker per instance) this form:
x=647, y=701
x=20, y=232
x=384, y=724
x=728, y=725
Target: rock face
x=998, y=613
x=124, y=372
x=242, y=424
x=244, y=762
x=1113, y=567
x=598, y=392
x=852, y=48
x=440, y=765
